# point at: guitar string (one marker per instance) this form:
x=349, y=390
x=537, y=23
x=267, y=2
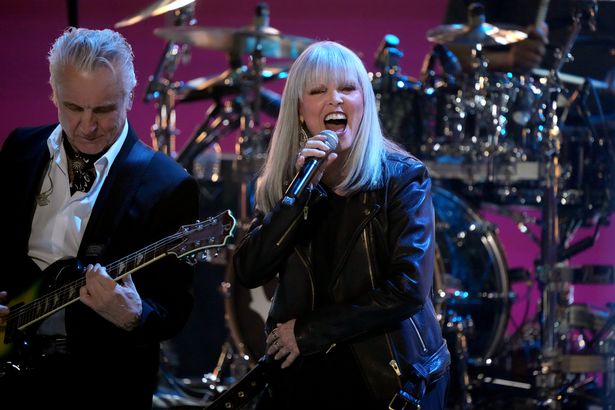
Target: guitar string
x=66, y=289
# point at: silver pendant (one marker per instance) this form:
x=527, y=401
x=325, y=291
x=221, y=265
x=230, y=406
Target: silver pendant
x=43, y=199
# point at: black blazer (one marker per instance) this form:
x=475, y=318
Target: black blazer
x=146, y=197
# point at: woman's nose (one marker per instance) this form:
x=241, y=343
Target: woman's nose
x=336, y=98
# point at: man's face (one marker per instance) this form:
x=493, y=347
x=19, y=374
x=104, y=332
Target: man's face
x=92, y=107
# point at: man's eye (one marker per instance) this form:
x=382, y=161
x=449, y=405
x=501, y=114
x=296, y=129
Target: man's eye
x=74, y=108
x=104, y=110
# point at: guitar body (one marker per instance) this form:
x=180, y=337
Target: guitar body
x=14, y=342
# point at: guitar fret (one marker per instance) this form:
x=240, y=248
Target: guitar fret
x=139, y=260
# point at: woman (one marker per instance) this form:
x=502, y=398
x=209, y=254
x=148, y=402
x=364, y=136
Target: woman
x=351, y=323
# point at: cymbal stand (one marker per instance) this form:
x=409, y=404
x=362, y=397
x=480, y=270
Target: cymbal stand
x=477, y=105
x=161, y=87
x=555, y=288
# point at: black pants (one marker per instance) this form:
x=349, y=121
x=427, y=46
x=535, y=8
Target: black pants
x=58, y=382
x=318, y=383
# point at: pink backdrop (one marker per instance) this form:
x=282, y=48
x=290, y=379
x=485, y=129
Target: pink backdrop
x=28, y=28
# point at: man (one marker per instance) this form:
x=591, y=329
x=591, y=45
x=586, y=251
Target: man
x=88, y=188
x=517, y=57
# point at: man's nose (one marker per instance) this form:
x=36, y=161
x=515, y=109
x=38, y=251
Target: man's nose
x=88, y=122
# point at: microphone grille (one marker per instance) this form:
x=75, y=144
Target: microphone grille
x=331, y=138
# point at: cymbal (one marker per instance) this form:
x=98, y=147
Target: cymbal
x=155, y=9
x=244, y=40
x=225, y=83
x=484, y=34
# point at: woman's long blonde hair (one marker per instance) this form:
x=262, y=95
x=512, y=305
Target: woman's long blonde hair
x=324, y=61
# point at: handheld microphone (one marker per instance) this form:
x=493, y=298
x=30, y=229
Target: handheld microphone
x=306, y=173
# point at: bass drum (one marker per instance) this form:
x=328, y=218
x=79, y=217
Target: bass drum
x=473, y=282
x=470, y=280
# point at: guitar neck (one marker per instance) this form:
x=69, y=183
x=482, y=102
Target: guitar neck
x=68, y=293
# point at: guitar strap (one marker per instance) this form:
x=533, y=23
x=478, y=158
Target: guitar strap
x=246, y=389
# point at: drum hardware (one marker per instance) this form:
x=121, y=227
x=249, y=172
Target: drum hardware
x=387, y=55
x=572, y=79
x=477, y=31
x=269, y=41
x=161, y=87
x=456, y=328
x=243, y=111
x=227, y=83
x=554, y=364
x=238, y=99
x=155, y=9
x=473, y=268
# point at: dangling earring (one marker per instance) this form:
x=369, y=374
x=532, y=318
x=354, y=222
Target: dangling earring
x=303, y=133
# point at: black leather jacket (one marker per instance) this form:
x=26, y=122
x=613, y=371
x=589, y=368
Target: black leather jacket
x=381, y=289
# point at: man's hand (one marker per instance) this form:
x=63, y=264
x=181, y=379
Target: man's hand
x=528, y=53
x=119, y=303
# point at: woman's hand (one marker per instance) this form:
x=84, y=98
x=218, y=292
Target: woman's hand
x=317, y=148
x=281, y=343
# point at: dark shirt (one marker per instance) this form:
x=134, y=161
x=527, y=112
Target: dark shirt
x=328, y=379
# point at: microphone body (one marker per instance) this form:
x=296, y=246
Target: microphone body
x=305, y=175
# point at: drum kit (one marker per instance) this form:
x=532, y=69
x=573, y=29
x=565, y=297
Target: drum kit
x=487, y=138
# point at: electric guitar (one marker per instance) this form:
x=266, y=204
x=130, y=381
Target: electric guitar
x=190, y=243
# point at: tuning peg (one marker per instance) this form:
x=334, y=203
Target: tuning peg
x=203, y=256
x=191, y=260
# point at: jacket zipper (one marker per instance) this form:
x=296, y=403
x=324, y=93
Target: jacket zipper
x=297, y=219
x=395, y=367
x=369, y=259
x=419, y=335
x=307, y=268
x=290, y=228
x=392, y=362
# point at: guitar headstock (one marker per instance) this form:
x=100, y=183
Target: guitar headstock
x=214, y=232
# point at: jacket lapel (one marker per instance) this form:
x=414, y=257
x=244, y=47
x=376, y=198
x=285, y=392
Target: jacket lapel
x=358, y=213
